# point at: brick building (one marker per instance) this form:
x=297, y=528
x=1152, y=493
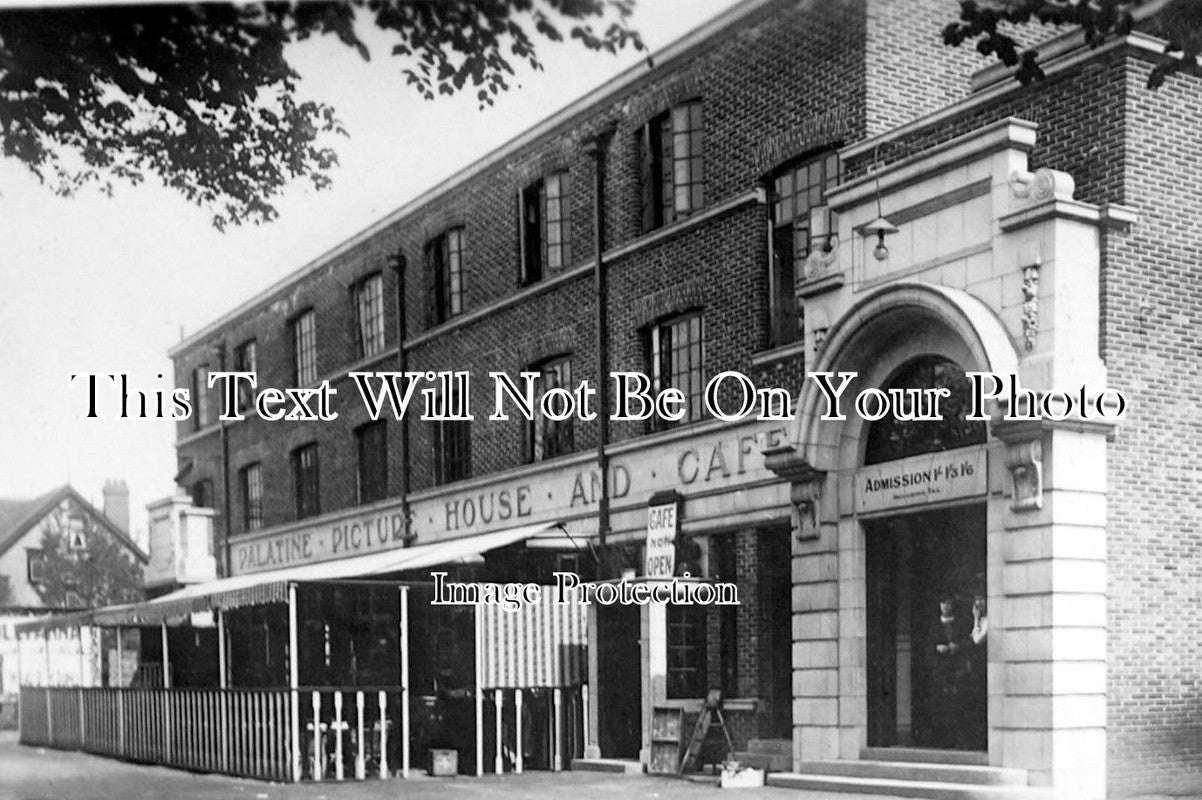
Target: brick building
x=1042, y=231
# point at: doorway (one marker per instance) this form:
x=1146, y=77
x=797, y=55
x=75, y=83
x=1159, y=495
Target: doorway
x=619, y=681
x=926, y=632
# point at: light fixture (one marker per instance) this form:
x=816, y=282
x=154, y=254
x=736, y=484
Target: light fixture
x=882, y=228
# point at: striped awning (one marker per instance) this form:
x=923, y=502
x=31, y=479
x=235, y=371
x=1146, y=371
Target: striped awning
x=538, y=644
x=263, y=588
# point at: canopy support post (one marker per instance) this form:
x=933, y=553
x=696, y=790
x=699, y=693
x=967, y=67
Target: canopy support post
x=166, y=657
x=404, y=639
x=294, y=682
x=479, y=693
x=222, y=675
x=119, y=678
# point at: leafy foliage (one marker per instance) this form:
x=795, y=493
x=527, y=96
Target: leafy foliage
x=102, y=573
x=1179, y=22
x=204, y=97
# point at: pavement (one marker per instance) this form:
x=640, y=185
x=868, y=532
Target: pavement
x=32, y=773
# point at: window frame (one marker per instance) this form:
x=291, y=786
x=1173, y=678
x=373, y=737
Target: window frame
x=304, y=348
x=244, y=364
x=306, y=481
x=371, y=342
x=35, y=555
x=563, y=436
x=663, y=368
x=200, y=396
x=444, y=263
x=792, y=236
x=452, y=440
x=380, y=481
x=252, y=503
x=672, y=146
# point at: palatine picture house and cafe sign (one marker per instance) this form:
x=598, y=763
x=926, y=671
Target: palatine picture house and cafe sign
x=1017, y=596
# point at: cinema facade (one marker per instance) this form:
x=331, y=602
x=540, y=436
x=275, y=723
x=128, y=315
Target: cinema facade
x=968, y=604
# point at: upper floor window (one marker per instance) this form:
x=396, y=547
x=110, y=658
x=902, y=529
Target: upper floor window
x=801, y=221
x=305, y=481
x=545, y=233
x=373, y=461
x=676, y=357
x=452, y=446
x=35, y=565
x=673, y=174
x=304, y=348
x=548, y=438
x=251, y=478
x=246, y=359
x=444, y=263
x=368, y=307
x=200, y=394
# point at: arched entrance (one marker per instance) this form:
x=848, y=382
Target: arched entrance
x=890, y=518
x=925, y=583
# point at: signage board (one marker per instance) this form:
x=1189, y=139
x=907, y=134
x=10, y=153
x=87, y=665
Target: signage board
x=720, y=460
x=662, y=524
x=918, y=480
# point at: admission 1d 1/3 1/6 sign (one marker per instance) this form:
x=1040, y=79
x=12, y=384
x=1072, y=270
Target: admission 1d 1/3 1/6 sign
x=928, y=478
x=662, y=522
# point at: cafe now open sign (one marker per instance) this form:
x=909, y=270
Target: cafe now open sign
x=661, y=541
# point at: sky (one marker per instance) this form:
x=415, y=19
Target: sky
x=106, y=285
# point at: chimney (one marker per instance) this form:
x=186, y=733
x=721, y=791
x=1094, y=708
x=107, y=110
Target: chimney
x=116, y=503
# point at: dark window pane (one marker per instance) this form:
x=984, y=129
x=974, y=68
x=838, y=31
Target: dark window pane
x=373, y=461
x=305, y=479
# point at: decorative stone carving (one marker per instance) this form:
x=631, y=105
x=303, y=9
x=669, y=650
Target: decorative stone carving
x=820, y=338
x=803, y=499
x=804, y=491
x=818, y=262
x=1030, y=305
x=1043, y=184
x=1025, y=462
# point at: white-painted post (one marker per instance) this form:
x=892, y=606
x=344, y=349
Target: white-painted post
x=294, y=682
x=120, y=659
x=222, y=675
x=318, y=739
x=479, y=693
x=404, y=637
x=360, y=758
x=517, y=718
x=46, y=653
x=338, y=726
x=557, y=695
x=166, y=658
x=19, y=679
x=83, y=725
x=383, y=701
x=498, y=761
x=584, y=715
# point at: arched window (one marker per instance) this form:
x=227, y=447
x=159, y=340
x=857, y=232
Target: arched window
x=890, y=438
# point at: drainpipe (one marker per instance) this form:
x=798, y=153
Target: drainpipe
x=399, y=262
x=227, y=521
x=596, y=149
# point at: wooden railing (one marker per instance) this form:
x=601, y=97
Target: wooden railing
x=245, y=732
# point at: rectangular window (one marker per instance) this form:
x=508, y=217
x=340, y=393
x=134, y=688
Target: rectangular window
x=373, y=461
x=687, y=668
x=548, y=438
x=444, y=263
x=35, y=563
x=546, y=237
x=200, y=394
x=676, y=355
x=305, y=481
x=246, y=359
x=251, y=478
x=801, y=220
x=369, y=316
x=673, y=165
x=304, y=348
x=452, y=448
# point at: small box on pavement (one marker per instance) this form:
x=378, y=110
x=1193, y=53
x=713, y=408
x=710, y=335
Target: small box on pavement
x=444, y=763
x=737, y=777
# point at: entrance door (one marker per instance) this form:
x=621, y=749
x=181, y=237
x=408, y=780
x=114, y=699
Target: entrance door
x=926, y=651
x=619, y=690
